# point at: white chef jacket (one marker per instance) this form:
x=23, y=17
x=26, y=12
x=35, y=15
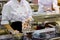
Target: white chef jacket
x=14, y=11
x=48, y=3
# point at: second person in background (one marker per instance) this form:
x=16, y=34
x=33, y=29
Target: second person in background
x=48, y=5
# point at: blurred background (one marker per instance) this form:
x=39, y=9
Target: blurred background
x=39, y=21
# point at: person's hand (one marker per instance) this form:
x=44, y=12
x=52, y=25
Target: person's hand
x=46, y=8
x=25, y=24
x=15, y=32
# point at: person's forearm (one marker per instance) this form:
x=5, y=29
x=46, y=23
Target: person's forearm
x=8, y=27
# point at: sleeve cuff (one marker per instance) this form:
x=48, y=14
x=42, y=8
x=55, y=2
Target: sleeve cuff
x=4, y=22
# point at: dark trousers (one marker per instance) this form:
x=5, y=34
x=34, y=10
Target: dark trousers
x=17, y=26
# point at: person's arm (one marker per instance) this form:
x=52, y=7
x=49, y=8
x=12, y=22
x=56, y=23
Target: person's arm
x=55, y=6
x=5, y=15
x=5, y=18
x=8, y=27
x=11, y=30
x=29, y=18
